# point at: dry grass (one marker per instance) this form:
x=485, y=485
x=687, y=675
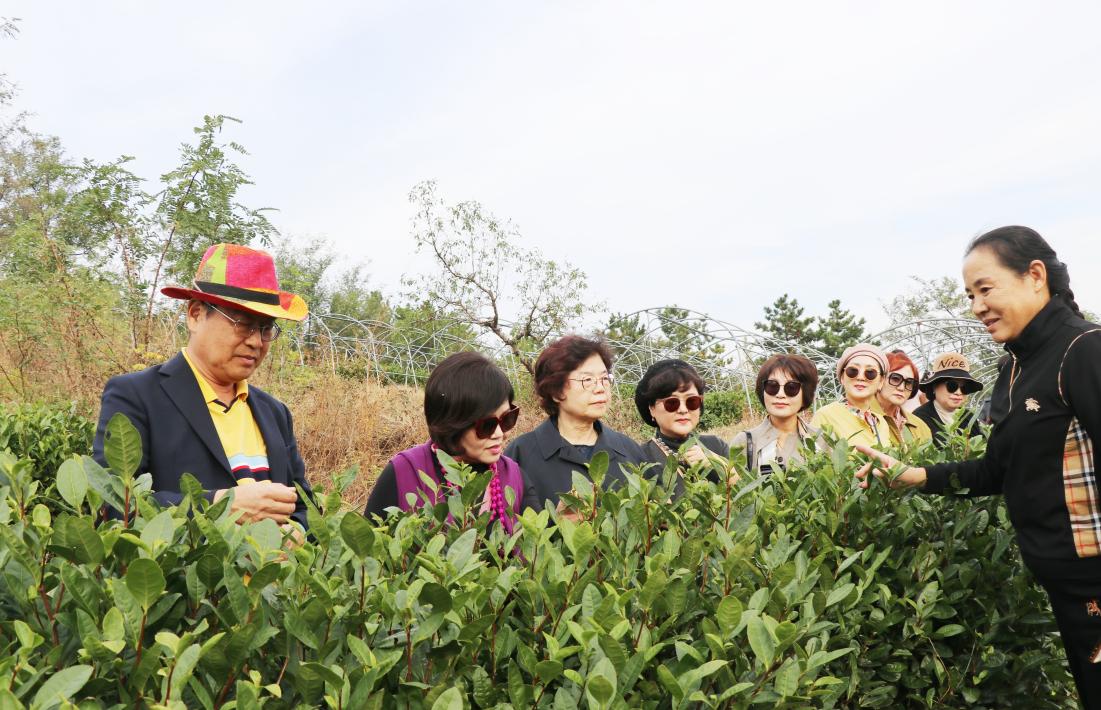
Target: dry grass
x=340, y=422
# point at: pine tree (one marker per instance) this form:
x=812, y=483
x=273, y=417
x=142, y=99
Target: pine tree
x=784, y=321
x=838, y=330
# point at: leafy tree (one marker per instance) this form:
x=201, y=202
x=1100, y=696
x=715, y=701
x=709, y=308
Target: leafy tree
x=784, y=321
x=838, y=330
x=351, y=297
x=153, y=237
x=937, y=298
x=485, y=279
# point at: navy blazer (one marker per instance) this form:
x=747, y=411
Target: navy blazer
x=165, y=405
x=548, y=460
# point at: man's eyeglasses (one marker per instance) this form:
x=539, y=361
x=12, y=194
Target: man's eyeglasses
x=589, y=382
x=897, y=380
x=244, y=329
x=791, y=387
x=852, y=371
x=692, y=402
x=486, y=426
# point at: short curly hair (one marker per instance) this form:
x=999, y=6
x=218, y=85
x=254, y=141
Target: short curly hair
x=558, y=360
x=798, y=367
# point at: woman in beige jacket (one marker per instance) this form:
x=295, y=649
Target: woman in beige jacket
x=785, y=387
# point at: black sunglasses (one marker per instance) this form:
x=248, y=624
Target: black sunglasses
x=953, y=386
x=791, y=388
x=897, y=380
x=692, y=402
x=486, y=426
x=870, y=373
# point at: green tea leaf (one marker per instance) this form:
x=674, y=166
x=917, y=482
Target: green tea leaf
x=122, y=446
x=72, y=482
x=450, y=699
x=760, y=640
x=437, y=596
x=839, y=593
x=357, y=534
x=83, y=538
x=462, y=549
x=159, y=531
x=145, y=580
x=61, y=686
x=728, y=614
x=948, y=630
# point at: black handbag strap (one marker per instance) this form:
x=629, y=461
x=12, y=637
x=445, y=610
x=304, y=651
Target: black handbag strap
x=749, y=452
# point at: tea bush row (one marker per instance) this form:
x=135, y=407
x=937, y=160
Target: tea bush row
x=789, y=591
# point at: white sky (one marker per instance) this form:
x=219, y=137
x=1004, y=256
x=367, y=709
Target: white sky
x=713, y=155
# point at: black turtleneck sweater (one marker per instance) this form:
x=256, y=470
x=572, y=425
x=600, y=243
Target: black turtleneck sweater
x=1041, y=451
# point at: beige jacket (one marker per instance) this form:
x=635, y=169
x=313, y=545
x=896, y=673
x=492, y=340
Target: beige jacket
x=765, y=449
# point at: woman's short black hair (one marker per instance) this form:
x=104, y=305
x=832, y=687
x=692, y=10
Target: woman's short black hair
x=799, y=367
x=462, y=389
x=558, y=360
x=661, y=380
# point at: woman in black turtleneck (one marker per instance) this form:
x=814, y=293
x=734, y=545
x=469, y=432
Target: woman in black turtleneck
x=669, y=398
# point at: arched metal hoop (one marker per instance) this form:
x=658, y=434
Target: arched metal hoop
x=406, y=355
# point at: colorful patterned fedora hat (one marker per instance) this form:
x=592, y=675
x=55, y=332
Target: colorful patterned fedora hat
x=241, y=277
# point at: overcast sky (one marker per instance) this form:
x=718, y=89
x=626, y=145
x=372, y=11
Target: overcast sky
x=713, y=155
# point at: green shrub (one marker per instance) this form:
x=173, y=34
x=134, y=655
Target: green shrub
x=792, y=591
x=722, y=409
x=45, y=434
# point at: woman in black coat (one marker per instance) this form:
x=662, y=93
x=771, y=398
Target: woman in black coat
x=947, y=386
x=1041, y=453
x=670, y=398
x=573, y=380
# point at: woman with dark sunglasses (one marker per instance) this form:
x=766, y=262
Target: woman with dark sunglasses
x=947, y=387
x=1042, y=451
x=468, y=405
x=669, y=397
x=785, y=388
x=900, y=386
x=861, y=370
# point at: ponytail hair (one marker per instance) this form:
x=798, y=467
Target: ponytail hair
x=1018, y=247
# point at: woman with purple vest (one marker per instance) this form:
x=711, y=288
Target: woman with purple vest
x=468, y=404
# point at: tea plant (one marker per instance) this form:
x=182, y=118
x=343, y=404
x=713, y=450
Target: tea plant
x=799, y=590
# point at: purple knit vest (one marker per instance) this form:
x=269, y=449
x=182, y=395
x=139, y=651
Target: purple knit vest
x=419, y=458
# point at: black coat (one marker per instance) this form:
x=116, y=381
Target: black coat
x=1041, y=454
x=928, y=414
x=654, y=454
x=165, y=405
x=548, y=460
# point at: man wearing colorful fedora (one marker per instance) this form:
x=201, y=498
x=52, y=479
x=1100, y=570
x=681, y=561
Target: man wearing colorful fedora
x=197, y=412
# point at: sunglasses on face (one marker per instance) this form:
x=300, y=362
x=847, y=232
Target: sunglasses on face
x=791, y=387
x=870, y=373
x=487, y=426
x=953, y=386
x=897, y=380
x=692, y=402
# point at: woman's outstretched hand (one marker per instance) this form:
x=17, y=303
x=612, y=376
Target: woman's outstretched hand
x=881, y=464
